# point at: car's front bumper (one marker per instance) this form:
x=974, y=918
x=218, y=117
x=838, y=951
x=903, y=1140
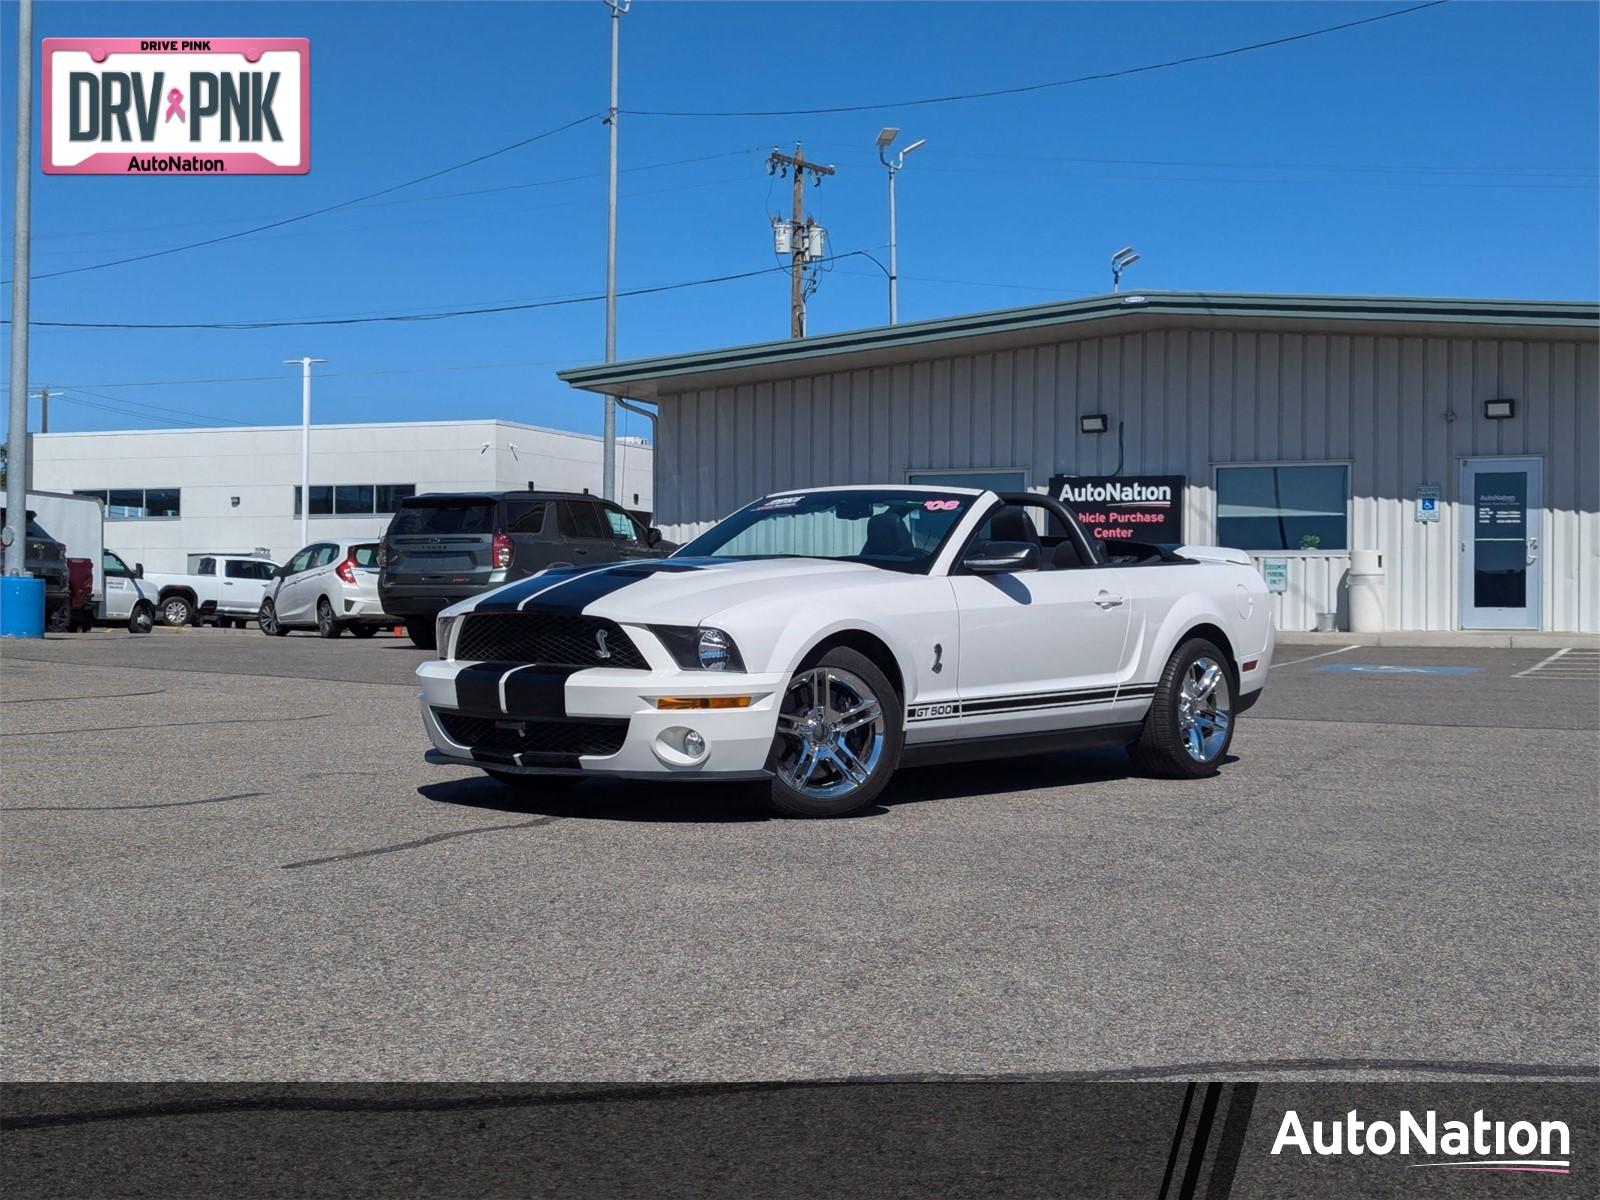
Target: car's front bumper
x=515, y=698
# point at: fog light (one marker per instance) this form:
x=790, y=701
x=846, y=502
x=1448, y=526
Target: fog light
x=693, y=744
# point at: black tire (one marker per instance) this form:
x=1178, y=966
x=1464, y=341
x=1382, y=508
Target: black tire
x=423, y=634
x=176, y=610
x=1163, y=747
x=142, y=619
x=534, y=783
x=267, y=620
x=58, y=617
x=327, y=624
x=788, y=800
x=363, y=631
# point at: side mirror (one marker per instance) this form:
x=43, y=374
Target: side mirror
x=138, y=570
x=652, y=536
x=1001, y=558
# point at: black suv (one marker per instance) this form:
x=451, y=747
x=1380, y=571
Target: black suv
x=47, y=559
x=443, y=548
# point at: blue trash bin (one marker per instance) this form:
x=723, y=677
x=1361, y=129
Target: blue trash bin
x=21, y=606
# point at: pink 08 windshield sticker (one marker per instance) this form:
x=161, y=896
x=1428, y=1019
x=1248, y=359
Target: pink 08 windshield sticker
x=941, y=505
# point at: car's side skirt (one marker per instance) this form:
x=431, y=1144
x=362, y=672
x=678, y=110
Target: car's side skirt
x=1016, y=745
x=994, y=706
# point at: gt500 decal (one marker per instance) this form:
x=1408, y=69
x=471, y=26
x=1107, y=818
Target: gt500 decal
x=991, y=706
x=932, y=712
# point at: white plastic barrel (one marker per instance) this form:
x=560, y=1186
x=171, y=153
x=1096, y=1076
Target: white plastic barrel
x=1366, y=591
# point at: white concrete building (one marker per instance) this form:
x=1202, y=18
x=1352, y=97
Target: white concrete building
x=1457, y=439
x=172, y=493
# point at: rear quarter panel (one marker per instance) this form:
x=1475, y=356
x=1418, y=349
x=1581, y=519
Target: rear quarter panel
x=1172, y=600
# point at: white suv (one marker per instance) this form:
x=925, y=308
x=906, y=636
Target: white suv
x=329, y=586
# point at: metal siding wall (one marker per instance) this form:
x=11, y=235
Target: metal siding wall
x=1188, y=400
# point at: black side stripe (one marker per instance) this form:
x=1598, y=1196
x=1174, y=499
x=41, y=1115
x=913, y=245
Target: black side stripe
x=1027, y=702
x=507, y=598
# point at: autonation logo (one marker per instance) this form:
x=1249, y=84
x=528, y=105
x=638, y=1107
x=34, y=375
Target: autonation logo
x=1117, y=493
x=1478, y=1145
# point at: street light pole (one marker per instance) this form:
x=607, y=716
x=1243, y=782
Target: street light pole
x=305, y=444
x=894, y=167
x=608, y=465
x=16, y=546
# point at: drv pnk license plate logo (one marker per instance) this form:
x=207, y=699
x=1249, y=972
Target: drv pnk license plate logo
x=177, y=106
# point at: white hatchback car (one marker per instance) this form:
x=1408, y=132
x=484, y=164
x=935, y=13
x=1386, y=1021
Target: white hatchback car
x=329, y=586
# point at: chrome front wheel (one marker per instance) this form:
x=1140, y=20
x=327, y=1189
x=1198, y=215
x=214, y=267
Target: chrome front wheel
x=838, y=736
x=1205, y=710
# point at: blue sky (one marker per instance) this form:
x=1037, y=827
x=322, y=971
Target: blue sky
x=1448, y=152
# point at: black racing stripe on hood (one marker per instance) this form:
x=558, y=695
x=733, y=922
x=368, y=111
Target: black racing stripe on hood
x=507, y=598
x=573, y=597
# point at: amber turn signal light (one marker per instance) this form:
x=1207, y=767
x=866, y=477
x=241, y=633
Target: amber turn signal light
x=681, y=702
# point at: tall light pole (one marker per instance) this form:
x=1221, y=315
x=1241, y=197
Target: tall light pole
x=895, y=166
x=608, y=464
x=16, y=551
x=305, y=444
x=1120, y=262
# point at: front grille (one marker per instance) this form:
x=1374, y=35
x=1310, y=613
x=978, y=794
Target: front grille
x=549, y=640
x=533, y=737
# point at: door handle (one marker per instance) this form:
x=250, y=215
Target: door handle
x=1106, y=600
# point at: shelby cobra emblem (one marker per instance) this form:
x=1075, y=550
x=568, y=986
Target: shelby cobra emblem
x=818, y=640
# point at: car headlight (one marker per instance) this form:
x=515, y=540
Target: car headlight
x=699, y=648
x=444, y=629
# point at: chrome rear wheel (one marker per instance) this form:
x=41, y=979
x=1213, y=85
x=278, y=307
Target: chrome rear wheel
x=1205, y=709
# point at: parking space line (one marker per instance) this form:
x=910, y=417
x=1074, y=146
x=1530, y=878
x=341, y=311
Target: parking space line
x=1543, y=662
x=1309, y=657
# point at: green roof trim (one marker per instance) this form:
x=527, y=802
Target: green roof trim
x=1561, y=313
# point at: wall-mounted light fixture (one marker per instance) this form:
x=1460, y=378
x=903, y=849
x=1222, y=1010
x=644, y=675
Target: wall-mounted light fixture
x=233, y=501
x=1499, y=410
x=1093, y=423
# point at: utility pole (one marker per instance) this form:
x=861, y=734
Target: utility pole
x=608, y=465
x=800, y=249
x=44, y=410
x=16, y=532
x=895, y=166
x=305, y=444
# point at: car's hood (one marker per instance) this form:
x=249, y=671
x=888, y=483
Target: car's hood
x=675, y=591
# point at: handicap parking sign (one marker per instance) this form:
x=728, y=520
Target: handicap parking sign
x=1428, y=504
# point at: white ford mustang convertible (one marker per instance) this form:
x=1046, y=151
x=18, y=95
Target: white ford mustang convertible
x=818, y=640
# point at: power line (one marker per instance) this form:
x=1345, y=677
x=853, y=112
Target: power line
x=1039, y=87
x=537, y=362
x=301, y=323
x=317, y=212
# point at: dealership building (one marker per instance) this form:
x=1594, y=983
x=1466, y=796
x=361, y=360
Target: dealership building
x=1448, y=449
x=173, y=493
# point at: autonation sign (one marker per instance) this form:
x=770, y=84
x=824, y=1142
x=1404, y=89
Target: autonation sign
x=1142, y=508
x=177, y=106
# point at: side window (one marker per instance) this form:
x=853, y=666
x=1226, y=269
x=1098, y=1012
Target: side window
x=110, y=564
x=580, y=519
x=242, y=568
x=299, y=562
x=324, y=554
x=621, y=524
x=525, y=516
x=208, y=566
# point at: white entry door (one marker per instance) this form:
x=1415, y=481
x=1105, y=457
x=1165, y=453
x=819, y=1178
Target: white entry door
x=1501, y=543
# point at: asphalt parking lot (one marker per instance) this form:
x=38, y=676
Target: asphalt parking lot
x=225, y=859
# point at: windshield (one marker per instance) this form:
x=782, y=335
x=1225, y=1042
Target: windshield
x=894, y=529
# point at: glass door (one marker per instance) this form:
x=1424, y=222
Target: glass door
x=1500, y=539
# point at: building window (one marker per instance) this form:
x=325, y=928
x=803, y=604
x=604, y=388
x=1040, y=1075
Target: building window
x=355, y=499
x=1302, y=507
x=124, y=504
x=390, y=495
x=995, y=481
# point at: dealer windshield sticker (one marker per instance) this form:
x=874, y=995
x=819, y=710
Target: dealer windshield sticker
x=176, y=106
x=779, y=502
x=941, y=505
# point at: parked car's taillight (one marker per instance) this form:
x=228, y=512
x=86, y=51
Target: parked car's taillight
x=383, y=554
x=347, y=569
x=501, y=554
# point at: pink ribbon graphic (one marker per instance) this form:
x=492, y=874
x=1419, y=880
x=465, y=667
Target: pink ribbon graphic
x=175, y=106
